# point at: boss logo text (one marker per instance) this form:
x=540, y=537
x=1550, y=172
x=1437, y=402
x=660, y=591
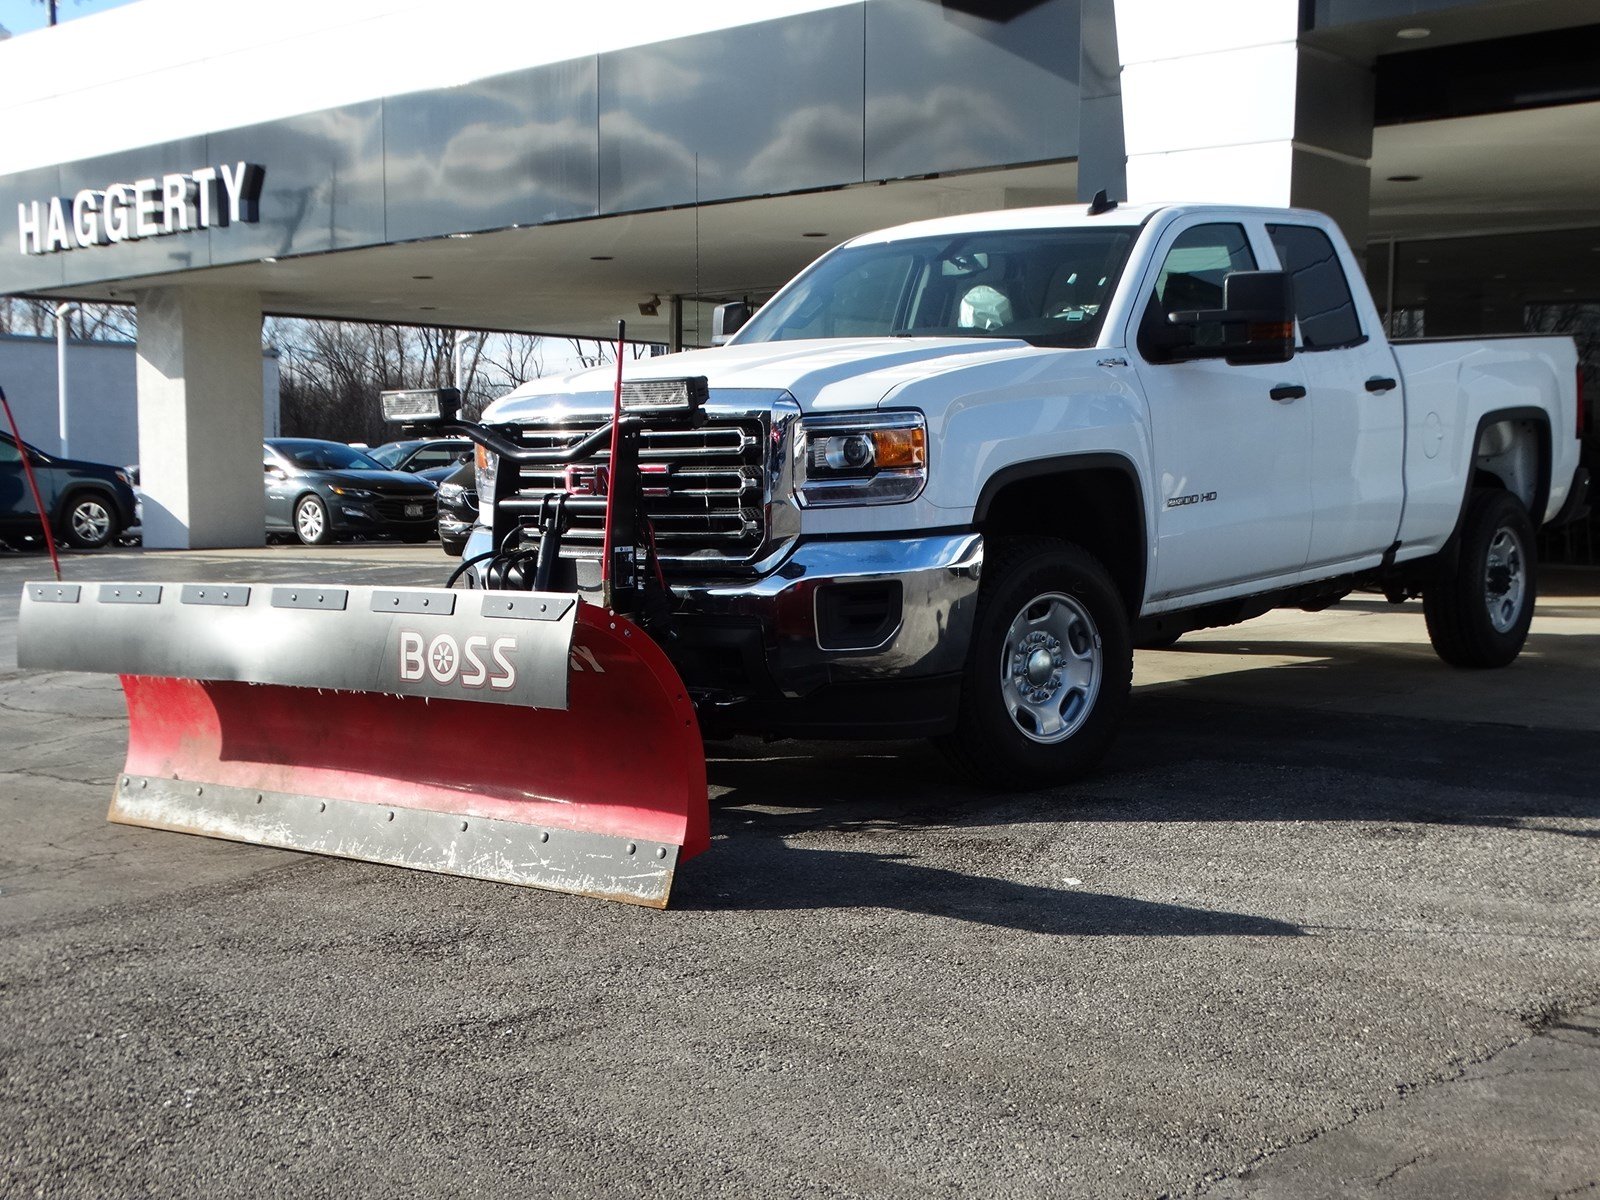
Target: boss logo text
x=476, y=662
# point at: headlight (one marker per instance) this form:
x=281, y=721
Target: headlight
x=451, y=493
x=350, y=493
x=487, y=465
x=863, y=458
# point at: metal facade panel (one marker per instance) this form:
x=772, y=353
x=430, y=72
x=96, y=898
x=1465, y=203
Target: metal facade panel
x=324, y=183
x=24, y=271
x=761, y=109
x=518, y=149
x=866, y=91
x=951, y=91
x=148, y=256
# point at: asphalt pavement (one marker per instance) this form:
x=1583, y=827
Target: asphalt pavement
x=1324, y=925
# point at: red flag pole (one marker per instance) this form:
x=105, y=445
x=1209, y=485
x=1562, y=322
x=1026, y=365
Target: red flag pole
x=611, y=485
x=33, y=484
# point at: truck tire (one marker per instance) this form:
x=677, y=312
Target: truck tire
x=1479, y=616
x=1048, y=674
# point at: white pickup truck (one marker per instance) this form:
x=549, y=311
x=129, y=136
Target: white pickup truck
x=950, y=476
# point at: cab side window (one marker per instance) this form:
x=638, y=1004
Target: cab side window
x=1322, y=301
x=1191, y=276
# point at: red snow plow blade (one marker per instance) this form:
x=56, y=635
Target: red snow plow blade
x=526, y=738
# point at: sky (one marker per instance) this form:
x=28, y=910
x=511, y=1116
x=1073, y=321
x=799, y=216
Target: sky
x=23, y=16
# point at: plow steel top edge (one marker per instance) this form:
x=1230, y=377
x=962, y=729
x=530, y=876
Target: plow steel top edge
x=434, y=643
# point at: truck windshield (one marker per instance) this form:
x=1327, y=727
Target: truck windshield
x=1045, y=286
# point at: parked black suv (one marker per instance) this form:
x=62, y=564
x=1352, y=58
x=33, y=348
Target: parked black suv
x=89, y=503
x=321, y=490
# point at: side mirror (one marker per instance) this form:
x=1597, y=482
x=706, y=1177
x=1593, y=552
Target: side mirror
x=728, y=319
x=1254, y=325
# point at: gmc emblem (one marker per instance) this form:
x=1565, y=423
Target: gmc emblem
x=588, y=479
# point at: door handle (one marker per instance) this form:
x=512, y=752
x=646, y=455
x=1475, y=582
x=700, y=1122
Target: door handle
x=1286, y=392
x=1380, y=383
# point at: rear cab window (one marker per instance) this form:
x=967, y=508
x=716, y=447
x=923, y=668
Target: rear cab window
x=1323, y=304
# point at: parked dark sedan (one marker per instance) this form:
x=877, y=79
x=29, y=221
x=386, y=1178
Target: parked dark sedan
x=320, y=491
x=458, y=509
x=89, y=503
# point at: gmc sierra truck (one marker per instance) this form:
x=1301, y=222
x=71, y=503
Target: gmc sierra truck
x=945, y=481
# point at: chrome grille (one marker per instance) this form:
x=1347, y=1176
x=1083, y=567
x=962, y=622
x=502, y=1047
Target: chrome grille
x=704, y=489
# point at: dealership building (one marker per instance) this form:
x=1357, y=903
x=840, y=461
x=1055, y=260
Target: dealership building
x=503, y=165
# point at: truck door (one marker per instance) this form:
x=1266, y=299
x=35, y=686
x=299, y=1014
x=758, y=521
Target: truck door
x=1231, y=443
x=1356, y=402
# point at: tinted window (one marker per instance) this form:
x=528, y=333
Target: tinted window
x=1047, y=286
x=390, y=454
x=325, y=456
x=432, y=456
x=1322, y=301
x=1192, y=273
x=9, y=453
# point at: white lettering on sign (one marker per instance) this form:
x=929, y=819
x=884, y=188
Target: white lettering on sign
x=145, y=208
x=447, y=661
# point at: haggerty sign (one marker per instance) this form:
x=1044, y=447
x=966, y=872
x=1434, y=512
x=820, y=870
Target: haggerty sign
x=145, y=208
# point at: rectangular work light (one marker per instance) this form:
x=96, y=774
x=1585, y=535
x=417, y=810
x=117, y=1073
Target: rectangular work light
x=420, y=405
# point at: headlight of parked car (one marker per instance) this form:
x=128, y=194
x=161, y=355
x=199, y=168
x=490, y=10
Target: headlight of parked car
x=350, y=493
x=863, y=458
x=451, y=493
x=487, y=465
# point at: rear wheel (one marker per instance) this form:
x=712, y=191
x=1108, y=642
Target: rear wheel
x=1049, y=670
x=1479, y=617
x=88, y=522
x=311, y=522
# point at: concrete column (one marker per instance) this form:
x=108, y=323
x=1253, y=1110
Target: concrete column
x=200, y=418
x=1221, y=102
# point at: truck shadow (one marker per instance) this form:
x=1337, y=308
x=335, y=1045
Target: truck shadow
x=1185, y=756
x=769, y=874
x=1180, y=758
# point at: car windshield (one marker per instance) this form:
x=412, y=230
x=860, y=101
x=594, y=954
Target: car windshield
x=326, y=456
x=390, y=454
x=1045, y=286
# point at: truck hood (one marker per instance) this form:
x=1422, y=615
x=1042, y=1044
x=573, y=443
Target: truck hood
x=823, y=375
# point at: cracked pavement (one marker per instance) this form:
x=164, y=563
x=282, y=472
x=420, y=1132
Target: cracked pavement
x=1325, y=925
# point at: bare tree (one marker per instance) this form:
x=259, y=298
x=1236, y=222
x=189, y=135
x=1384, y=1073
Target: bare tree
x=102, y=322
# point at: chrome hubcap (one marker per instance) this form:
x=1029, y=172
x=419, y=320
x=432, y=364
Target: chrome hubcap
x=310, y=521
x=1505, y=580
x=1050, y=667
x=90, y=521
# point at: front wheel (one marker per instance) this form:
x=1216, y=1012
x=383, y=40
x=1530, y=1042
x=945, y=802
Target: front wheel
x=1479, y=616
x=1049, y=670
x=89, y=522
x=311, y=522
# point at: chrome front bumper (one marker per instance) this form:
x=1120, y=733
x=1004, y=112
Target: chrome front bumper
x=938, y=580
x=938, y=592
